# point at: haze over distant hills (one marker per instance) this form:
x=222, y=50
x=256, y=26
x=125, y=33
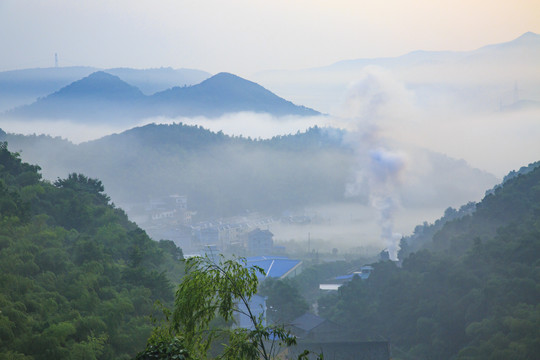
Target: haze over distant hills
x=223, y=175
x=22, y=87
x=104, y=97
x=482, y=79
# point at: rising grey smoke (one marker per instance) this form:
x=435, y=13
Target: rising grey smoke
x=374, y=100
x=385, y=170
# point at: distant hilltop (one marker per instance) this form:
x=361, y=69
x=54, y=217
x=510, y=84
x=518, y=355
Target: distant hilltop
x=103, y=96
x=478, y=80
x=24, y=86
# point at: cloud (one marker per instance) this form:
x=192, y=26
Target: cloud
x=247, y=124
x=74, y=132
x=377, y=96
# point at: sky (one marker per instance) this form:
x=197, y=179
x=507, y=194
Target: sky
x=247, y=36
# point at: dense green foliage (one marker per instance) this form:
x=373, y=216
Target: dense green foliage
x=77, y=279
x=474, y=294
x=422, y=235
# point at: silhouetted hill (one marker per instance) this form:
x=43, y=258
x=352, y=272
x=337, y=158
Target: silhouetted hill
x=151, y=81
x=105, y=97
x=224, y=93
x=24, y=86
x=98, y=86
x=96, y=96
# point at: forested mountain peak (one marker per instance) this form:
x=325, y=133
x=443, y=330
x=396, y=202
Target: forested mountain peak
x=509, y=202
x=470, y=294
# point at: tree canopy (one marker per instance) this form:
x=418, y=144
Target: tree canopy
x=471, y=292
x=77, y=279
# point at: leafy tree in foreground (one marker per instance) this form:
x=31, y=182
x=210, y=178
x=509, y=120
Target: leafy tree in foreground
x=208, y=292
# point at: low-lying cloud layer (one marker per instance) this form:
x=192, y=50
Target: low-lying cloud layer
x=389, y=131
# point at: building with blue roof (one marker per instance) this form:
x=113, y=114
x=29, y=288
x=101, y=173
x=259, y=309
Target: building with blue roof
x=277, y=267
x=364, y=273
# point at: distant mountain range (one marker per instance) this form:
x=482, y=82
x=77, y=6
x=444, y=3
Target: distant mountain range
x=489, y=78
x=22, y=87
x=101, y=96
x=494, y=77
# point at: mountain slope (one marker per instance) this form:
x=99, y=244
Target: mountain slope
x=473, y=296
x=77, y=278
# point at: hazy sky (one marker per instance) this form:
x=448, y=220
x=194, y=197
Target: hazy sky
x=244, y=36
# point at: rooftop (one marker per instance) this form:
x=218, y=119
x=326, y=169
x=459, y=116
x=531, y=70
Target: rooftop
x=274, y=266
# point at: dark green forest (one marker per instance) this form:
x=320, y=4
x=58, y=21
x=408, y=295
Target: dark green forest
x=471, y=293
x=78, y=280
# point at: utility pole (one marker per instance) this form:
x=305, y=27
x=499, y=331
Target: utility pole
x=55, y=60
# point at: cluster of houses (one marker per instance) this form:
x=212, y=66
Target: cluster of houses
x=169, y=218
x=249, y=237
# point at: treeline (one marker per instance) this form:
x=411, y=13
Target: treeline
x=471, y=293
x=78, y=280
x=221, y=175
x=224, y=175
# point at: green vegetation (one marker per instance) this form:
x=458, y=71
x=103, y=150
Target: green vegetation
x=471, y=293
x=213, y=291
x=77, y=279
x=224, y=176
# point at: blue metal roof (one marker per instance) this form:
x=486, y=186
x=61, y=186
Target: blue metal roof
x=364, y=273
x=345, y=277
x=273, y=266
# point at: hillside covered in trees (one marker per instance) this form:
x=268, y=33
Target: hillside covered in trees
x=472, y=292
x=78, y=280
x=224, y=175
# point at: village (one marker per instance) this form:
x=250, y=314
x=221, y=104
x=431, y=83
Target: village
x=249, y=237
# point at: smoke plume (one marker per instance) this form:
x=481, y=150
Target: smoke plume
x=374, y=102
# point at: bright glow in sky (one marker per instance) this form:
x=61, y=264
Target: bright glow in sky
x=245, y=36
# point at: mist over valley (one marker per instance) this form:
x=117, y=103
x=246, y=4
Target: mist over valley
x=374, y=207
